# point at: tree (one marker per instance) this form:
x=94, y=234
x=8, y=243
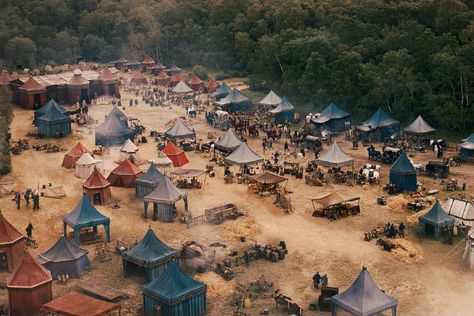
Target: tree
x=21, y=51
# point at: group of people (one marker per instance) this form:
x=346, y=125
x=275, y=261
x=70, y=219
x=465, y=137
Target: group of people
x=391, y=231
x=318, y=279
x=29, y=193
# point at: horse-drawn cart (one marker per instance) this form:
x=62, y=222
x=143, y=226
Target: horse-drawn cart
x=216, y=215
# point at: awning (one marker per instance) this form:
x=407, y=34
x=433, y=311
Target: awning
x=334, y=198
x=188, y=173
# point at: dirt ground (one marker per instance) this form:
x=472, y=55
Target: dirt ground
x=436, y=284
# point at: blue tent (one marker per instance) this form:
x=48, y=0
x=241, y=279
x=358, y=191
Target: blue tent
x=467, y=147
x=222, y=92
x=54, y=123
x=151, y=255
x=85, y=215
x=333, y=118
x=148, y=182
x=113, y=132
x=65, y=257
x=436, y=219
x=177, y=293
x=284, y=112
x=403, y=174
x=45, y=108
x=119, y=115
x=382, y=125
x=236, y=101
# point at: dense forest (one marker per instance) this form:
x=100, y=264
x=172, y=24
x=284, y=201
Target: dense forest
x=410, y=57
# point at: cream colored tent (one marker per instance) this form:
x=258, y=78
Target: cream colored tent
x=163, y=163
x=129, y=151
x=105, y=167
x=85, y=166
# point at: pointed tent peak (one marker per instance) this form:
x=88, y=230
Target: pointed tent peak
x=162, y=76
x=172, y=149
x=28, y=274
x=195, y=80
x=381, y=119
x=179, y=130
x=271, y=99
x=161, y=159
x=243, y=155
x=86, y=159
x=177, y=78
x=31, y=84
x=236, y=96
x=469, y=139
x=77, y=150
x=5, y=77
x=106, y=75
x=51, y=103
x=127, y=167
x=77, y=72
x=137, y=75
x=8, y=232
x=436, y=216
x=117, y=113
x=165, y=192
x=230, y=141
x=212, y=83
x=54, y=112
x=223, y=90
x=174, y=68
x=96, y=180
x=152, y=175
x=129, y=147
x=84, y=213
x=335, y=157
x=150, y=249
x=419, y=126
x=402, y=165
x=62, y=250
x=284, y=106
x=148, y=60
x=334, y=111
x=182, y=87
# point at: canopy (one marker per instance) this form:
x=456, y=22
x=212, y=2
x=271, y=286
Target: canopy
x=78, y=80
x=243, y=155
x=331, y=112
x=165, y=192
x=138, y=79
x=229, y=142
x=77, y=304
x=419, y=127
x=182, y=88
x=175, y=154
x=268, y=178
x=363, y=297
x=125, y=174
x=403, y=174
x=113, y=132
x=96, y=180
x=188, y=173
x=222, y=92
x=334, y=198
x=8, y=233
x=283, y=106
x=437, y=216
x=46, y=108
x=179, y=131
x=271, y=99
x=461, y=210
x=28, y=274
x=129, y=147
x=84, y=214
x=335, y=157
x=236, y=101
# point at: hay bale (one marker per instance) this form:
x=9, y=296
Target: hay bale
x=216, y=285
x=243, y=227
x=397, y=203
x=406, y=251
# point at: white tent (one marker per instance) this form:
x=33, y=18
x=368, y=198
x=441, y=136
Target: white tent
x=129, y=149
x=105, y=167
x=163, y=163
x=468, y=256
x=182, y=88
x=271, y=99
x=461, y=210
x=85, y=166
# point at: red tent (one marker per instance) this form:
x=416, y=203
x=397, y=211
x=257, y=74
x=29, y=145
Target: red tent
x=212, y=86
x=73, y=155
x=12, y=244
x=74, y=303
x=138, y=79
x=148, y=61
x=162, y=79
x=125, y=174
x=195, y=83
x=29, y=287
x=5, y=78
x=97, y=188
x=176, y=154
x=177, y=78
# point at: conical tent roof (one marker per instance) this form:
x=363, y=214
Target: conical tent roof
x=335, y=157
x=86, y=159
x=96, y=180
x=268, y=178
x=162, y=76
x=332, y=111
x=283, y=106
x=174, y=68
x=152, y=175
x=468, y=143
x=117, y=113
x=113, y=132
x=77, y=79
x=177, y=78
x=8, y=233
x=364, y=297
x=150, y=249
x=161, y=159
x=223, y=91
x=129, y=147
x=148, y=60
x=77, y=150
x=29, y=274
x=47, y=107
x=402, y=165
x=84, y=214
x=176, y=154
x=419, y=127
x=127, y=167
x=229, y=142
x=107, y=75
x=179, y=130
x=195, y=81
x=31, y=85
x=461, y=210
x=381, y=119
x=182, y=88
x=436, y=216
x=62, y=250
x=243, y=155
x=53, y=114
x=469, y=139
x=5, y=77
x=235, y=96
x=173, y=285
x=271, y=99
x=334, y=198
x=212, y=85
x=165, y=192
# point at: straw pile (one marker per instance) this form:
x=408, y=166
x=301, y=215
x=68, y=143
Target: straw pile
x=216, y=285
x=397, y=203
x=243, y=227
x=406, y=251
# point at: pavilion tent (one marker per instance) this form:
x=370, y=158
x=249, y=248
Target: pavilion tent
x=83, y=215
x=151, y=255
x=138, y=79
x=271, y=100
x=229, y=142
x=173, y=70
x=77, y=304
x=335, y=157
x=71, y=157
x=148, y=182
x=162, y=79
x=284, y=112
x=113, y=132
x=117, y=113
x=382, y=124
x=5, y=78
x=105, y=167
x=334, y=198
x=222, y=92
x=163, y=163
x=54, y=123
x=85, y=166
x=12, y=244
x=148, y=61
x=468, y=255
x=268, y=178
x=212, y=86
x=236, y=101
x=182, y=88
x=419, y=127
x=363, y=298
x=65, y=257
x=125, y=174
x=177, y=293
x=435, y=220
x=195, y=83
x=46, y=108
x=175, y=154
x=461, y=210
x=467, y=147
x=177, y=78
x=164, y=197
x=129, y=151
x=243, y=155
x=180, y=131
x=97, y=188
x=29, y=287
x=333, y=118
x=403, y=174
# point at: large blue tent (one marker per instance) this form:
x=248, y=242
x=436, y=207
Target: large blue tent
x=333, y=118
x=45, y=108
x=222, y=92
x=54, y=123
x=381, y=125
x=467, y=147
x=176, y=293
x=113, y=131
x=148, y=182
x=119, y=115
x=403, y=174
x=150, y=256
x=236, y=101
x=65, y=257
x=284, y=112
x=436, y=219
x=85, y=215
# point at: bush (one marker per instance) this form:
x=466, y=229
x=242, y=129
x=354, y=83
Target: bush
x=5, y=119
x=200, y=72
x=221, y=76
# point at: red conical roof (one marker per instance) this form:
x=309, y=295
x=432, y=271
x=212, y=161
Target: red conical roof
x=148, y=60
x=8, y=232
x=127, y=167
x=96, y=180
x=177, y=78
x=77, y=79
x=107, y=75
x=32, y=85
x=5, y=77
x=29, y=273
x=175, y=154
x=172, y=149
x=77, y=151
x=212, y=85
x=195, y=81
x=162, y=76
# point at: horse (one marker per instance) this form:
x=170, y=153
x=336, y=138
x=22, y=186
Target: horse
x=374, y=154
x=387, y=245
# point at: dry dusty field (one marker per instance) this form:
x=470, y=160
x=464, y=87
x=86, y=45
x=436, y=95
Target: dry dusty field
x=431, y=285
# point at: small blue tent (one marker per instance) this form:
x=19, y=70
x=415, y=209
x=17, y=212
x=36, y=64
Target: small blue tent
x=176, y=293
x=45, y=108
x=403, y=174
x=148, y=182
x=436, y=219
x=54, y=123
x=150, y=255
x=65, y=257
x=113, y=132
x=284, y=112
x=222, y=92
x=467, y=147
x=85, y=215
x=382, y=125
x=236, y=101
x=333, y=118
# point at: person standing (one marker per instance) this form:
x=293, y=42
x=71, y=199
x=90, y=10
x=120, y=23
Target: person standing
x=316, y=280
x=27, y=197
x=286, y=146
x=29, y=231
x=36, y=201
x=17, y=200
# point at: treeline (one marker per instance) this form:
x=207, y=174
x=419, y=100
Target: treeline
x=5, y=120
x=410, y=57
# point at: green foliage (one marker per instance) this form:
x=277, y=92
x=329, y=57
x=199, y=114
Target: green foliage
x=20, y=51
x=5, y=119
x=200, y=72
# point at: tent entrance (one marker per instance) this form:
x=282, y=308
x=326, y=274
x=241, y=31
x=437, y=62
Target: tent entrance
x=84, y=95
x=3, y=262
x=430, y=229
x=157, y=310
x=37, y=100
x=132, y=269
x=97, y=198
x=111, y=89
